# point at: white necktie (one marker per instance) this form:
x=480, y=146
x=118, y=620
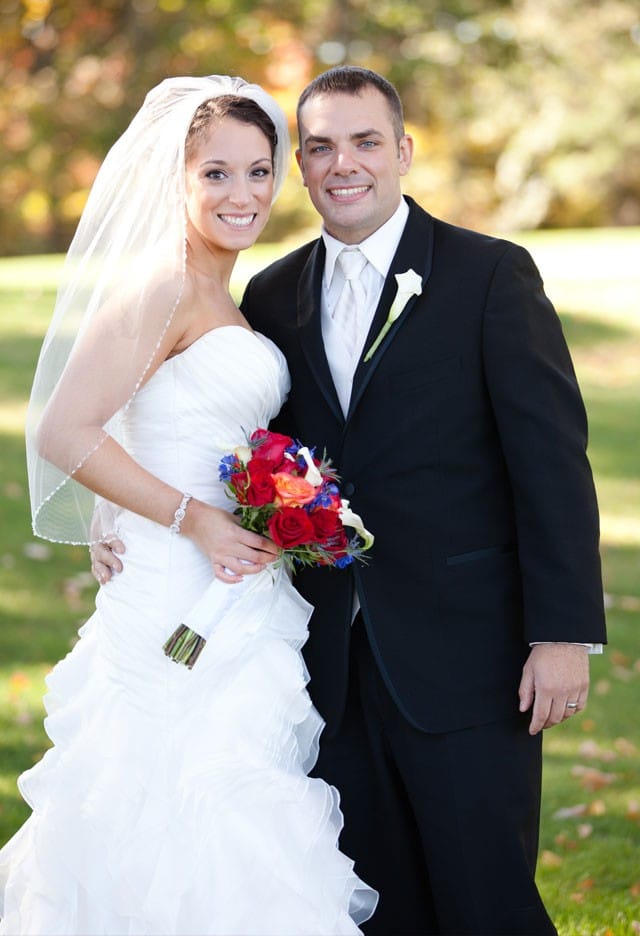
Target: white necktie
x=352, y=298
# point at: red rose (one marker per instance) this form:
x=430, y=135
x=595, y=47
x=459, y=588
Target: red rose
x=291, y=526
x=327, y=525
x=272, y=446
x=261, y=488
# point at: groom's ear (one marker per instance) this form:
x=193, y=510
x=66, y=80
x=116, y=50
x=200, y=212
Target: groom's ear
x=405, y=154
x=300, y=162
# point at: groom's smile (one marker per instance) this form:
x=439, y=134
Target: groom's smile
x=348, y=194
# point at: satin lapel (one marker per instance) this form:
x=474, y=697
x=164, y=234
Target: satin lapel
x=415, y=252
x=310, y=327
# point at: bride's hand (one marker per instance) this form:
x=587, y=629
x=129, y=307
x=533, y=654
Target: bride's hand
x=232, y=550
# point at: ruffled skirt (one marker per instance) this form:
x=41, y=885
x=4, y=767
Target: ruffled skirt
x=177, y=801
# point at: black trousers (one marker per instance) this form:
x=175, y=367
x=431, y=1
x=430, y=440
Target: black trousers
x=444, y=826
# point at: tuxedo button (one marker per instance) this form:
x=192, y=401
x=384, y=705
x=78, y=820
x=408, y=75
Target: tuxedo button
x=348, y=489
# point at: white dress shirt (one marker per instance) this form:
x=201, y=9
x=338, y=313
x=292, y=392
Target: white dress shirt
x=379, y=249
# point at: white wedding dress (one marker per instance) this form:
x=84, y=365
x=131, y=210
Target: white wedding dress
x=177, y=801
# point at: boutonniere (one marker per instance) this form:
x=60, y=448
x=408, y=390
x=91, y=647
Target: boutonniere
x=409, y=284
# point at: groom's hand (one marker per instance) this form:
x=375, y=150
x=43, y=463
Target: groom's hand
x=104, y=560
x=555, y=680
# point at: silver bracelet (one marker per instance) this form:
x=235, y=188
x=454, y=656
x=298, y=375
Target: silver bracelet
x=180, y=514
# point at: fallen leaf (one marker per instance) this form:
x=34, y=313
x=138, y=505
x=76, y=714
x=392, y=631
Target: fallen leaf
x=38, y=551
x=589, y=749
x=592, y=751
x=577, y=898
x=18, y=683
x=633, y=810
x=619, y=659
x=584, y=830
x=24, y=718
x=569, y=812
x=634, y=890
x=625, y=747
x=602, y=687
x=549, y=859
x=587, y=725
x=13, y=490
x=563, y=841
x=592, y=779
x=586, y=884
x=622, y=673
x=597, y=808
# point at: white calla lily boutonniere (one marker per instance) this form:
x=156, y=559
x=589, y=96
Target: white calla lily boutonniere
x=409, y=284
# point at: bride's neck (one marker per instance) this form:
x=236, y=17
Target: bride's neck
x=215, y=266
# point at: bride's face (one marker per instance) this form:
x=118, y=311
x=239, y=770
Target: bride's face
x=229, y=184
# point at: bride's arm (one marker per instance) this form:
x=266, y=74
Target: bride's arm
x=99, y=379
x=113, y=474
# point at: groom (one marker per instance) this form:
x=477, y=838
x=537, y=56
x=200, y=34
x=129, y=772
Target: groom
x=461, y=441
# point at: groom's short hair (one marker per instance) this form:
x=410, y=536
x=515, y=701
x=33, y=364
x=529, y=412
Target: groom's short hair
x=351, y=79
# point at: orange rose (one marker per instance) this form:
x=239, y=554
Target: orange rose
x=292, y=491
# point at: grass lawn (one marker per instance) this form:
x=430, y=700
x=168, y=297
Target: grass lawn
x=589, y=870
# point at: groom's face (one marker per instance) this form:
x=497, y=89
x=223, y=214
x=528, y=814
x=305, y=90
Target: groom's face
x=352, y=162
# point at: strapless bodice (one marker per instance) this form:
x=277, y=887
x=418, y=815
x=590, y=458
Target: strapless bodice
x=203, y=402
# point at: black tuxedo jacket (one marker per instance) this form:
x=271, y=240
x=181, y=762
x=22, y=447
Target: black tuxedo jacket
x=464, y=451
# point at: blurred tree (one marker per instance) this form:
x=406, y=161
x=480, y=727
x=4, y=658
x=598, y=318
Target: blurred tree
x=526, y=112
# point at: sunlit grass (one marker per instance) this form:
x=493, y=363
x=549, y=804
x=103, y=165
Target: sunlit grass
x=589, y=871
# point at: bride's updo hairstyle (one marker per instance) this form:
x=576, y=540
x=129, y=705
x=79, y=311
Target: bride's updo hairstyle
x=244, y=110
x=121, y=284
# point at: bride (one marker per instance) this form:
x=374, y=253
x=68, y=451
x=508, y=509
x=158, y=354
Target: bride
x=173, y=801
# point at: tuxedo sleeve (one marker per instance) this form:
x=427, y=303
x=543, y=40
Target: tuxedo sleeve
x=542, y=428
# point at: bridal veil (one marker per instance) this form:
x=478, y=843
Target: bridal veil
x=121, y=283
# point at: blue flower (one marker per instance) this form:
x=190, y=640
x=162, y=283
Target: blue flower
x=227, y=466
x=343, y=562
x=322, y=499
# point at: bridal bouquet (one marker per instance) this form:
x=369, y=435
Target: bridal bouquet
x=283, y=491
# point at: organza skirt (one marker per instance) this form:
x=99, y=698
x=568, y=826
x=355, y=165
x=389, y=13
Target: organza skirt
x=177, y=801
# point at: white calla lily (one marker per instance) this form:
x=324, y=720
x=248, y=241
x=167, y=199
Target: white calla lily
x=351, y=519
x=409, y=284
x=313, y=476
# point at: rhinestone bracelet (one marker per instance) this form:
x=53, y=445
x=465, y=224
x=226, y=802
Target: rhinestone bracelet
x=180, y=514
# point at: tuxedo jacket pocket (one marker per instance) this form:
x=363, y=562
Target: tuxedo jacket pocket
x=478, y=554
x=424, y=376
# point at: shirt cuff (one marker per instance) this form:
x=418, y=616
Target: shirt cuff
x=591, y=647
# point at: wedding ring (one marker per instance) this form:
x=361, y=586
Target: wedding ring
x=572, y=705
